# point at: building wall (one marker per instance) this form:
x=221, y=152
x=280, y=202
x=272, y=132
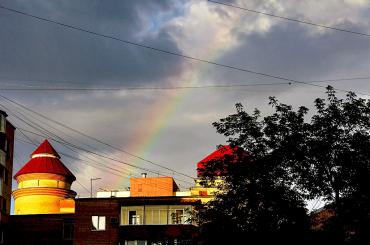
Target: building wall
x=40, y=229
x=42, y=193
x=115, y=232
x=6, y=170
x=155, y=186
x=85, y=209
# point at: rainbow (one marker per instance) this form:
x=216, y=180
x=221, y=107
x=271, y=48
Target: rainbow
x=147, y=134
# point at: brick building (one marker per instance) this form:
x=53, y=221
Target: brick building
x=152, y=211
x=6, y=169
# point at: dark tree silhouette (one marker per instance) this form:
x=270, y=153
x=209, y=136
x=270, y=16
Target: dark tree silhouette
x=284, y=159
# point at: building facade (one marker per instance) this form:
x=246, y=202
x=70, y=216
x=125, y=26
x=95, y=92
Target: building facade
x=151, y=211
x=6, y=168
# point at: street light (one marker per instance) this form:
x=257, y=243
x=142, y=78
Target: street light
x=91, y=180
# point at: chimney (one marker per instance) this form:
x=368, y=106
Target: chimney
x=143, y=175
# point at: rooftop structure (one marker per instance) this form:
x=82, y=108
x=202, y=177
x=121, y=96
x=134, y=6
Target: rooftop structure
x=44, y=184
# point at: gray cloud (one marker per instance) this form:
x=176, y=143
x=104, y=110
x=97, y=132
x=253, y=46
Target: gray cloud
x=33, y=50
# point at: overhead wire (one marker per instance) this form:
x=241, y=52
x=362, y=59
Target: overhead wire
x=69, y=145
x=44, y=133
x=181, y=55
x=43, y=88
x=50, y=135
x=290, y=19
x=95, y=139
x=119, y=174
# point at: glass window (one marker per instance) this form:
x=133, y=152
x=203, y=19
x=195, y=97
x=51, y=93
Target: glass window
x=2, y=124
x=177, y=216
x=2, y=158
x=98, y=223
x=180, y=214
x=132, y=215
x=134, y=218
x=156, y=215
x=136, y=242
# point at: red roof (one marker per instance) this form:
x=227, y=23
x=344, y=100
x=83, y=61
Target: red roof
x=46, y=147
x=218, y=154
x=45, y=164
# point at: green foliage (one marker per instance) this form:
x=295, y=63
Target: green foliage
x=284, y=159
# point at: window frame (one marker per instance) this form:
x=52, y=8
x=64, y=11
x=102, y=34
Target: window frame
x=99, y=224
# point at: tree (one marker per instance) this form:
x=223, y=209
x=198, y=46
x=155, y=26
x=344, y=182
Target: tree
x=338, y=159
x=256, y=199
x=290, y=159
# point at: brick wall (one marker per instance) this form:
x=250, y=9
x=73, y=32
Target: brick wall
x=85, y=209
x=38, y=229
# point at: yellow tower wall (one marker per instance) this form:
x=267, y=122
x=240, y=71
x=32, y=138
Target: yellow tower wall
x=43, y=193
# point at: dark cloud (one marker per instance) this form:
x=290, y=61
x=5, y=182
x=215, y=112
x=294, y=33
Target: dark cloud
x=35, y=50
x=291, y=50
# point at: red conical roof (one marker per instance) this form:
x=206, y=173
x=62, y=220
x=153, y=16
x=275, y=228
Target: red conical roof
x=45, y=148
x=45, y=159
x=219, y=154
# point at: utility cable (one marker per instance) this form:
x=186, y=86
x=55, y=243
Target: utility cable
x=185, y=56
x=93, y=138
x=290, y=19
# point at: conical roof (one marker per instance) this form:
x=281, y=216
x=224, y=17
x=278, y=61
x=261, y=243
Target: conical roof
x=220, y=154
x=45, y=148
x=45, y=159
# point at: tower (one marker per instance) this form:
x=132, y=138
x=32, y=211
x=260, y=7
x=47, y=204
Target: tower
x=44, y=184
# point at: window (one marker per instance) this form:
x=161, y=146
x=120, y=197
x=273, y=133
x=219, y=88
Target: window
x=156, y=215
x=136, y=242
x=2, y=158
x=133, y=218
x=68, y=231
x=2, y=123
x=98, y=223
x=177, y=216
x=180, y=215
x=132, y=215
x=3, y=142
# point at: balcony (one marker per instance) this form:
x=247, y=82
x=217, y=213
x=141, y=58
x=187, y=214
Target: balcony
x=156, y=215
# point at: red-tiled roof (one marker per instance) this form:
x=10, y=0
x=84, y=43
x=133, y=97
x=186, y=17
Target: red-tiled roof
x=218, y=154
x=45, y=164
x=46, y=147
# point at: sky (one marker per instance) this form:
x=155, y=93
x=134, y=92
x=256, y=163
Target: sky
x=172, y=128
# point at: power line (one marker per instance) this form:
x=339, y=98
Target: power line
x=45, y=132
x=70, y=164
x=185, y=56
x=97, y=167
x=95, y=139
x=61, y=141
x=41, y=88
x=140, y=88
x=97, y=164
x=290, y=19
